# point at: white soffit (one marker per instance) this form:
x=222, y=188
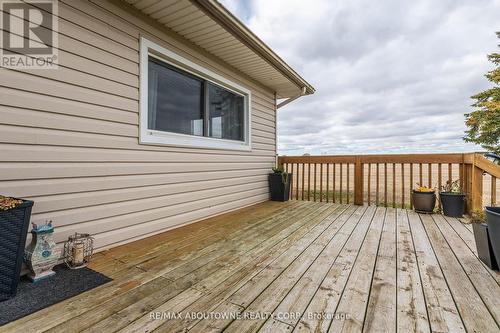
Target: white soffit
x=209, y=25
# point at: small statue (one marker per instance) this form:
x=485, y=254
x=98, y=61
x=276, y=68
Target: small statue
x=42, y=253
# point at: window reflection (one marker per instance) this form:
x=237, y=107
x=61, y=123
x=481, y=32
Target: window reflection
x=226, y=113
x=175, y=100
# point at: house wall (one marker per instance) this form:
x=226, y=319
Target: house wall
x=69, y=137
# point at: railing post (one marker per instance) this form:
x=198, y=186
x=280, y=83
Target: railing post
x=279, y=161
x=358, y=181
x=467, y=187
x=476, y=188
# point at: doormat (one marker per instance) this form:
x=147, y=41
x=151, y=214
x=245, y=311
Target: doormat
x=32, y=297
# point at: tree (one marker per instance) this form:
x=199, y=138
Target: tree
x=483, y=124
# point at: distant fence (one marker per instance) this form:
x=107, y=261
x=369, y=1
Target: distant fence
x=389, y=179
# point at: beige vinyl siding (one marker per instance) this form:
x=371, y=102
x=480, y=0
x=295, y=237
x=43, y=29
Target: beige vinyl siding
x=69, y=137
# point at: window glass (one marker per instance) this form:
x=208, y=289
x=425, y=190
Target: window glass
x=175, y=100
x=226, y=114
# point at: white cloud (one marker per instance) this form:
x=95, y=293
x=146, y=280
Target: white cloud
x=391, y=76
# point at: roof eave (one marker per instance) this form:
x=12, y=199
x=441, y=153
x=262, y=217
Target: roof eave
x=225, y=18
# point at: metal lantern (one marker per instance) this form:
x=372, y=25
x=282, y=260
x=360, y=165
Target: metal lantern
x=78, y=250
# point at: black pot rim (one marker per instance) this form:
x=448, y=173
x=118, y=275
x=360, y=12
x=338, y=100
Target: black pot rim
x=493, y=210
x=419, y=192
x=452, y=194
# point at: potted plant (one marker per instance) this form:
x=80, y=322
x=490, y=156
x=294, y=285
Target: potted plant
x=279, y=184
x=424, y=199
x=14, y=221
x=493, y=218
x=483, y=242
x=452, y=199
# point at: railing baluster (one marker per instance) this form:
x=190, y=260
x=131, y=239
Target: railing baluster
x=385, y=184
x=309, y=181
x=303, y=180
x=461, y=176
x=420, y=181
x=468, y=186
x=297, y=184
x=493, y=191
x=334, y=176
x=369, y=182
x=327, y=180
x=291, y=184
x=377, y=185
x=402, y=185
x=321, y=182
x=440, y=175
x=341, y=181
x=359, y=181
x=429, y=174
x=348, y=189
x=411, y=185
x=450, y=172
x=440, y=181
x=394, y=185
x=314, y=193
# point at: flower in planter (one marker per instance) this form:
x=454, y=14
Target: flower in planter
x=7, y=203
x=424, y=189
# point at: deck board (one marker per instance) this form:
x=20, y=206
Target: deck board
x=381, y=310
x=356, y=292
x=442, y=311
x=411, y=308
x=295, y=266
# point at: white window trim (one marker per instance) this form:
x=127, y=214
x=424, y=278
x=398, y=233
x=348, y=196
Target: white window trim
x=147, y=136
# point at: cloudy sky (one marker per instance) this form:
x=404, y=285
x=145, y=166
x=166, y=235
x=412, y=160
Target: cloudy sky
x=391, y=76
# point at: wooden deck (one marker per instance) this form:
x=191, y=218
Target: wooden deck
x=316, y=267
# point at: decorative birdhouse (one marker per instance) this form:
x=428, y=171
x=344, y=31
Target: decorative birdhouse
x=78, y=250
x=42, y=253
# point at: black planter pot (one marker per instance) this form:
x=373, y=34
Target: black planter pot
x=493, y=217
x=423, y=202
x=279, y=191
x=483, y=245
x=453, y=203
x=14, y=224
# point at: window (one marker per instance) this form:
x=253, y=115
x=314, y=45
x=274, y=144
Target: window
x=184, y=104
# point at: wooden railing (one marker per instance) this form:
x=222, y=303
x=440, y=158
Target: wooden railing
x=389, y=179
